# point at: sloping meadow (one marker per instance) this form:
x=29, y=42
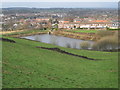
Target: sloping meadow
x=25, y=66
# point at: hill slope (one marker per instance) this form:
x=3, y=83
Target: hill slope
x=25, y=66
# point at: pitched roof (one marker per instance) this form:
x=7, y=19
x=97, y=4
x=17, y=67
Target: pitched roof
x=99, y=21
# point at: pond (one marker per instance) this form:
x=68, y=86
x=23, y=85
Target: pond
x=58, y=40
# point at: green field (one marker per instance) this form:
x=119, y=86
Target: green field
x=25, y=66
x=82, y=31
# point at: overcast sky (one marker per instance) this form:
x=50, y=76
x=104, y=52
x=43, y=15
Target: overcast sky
x=60, y=0
x=61, y=3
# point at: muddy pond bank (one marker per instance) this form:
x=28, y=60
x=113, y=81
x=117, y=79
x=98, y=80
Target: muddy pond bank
x=82, y=36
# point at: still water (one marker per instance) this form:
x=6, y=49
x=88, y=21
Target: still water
x=58, y=40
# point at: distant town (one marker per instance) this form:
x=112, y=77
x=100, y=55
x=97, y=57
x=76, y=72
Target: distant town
x=58, y=18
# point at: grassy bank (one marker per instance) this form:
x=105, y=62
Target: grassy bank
x=82, y=36
x=25, y=33
x=82, y=31
x=25, y=66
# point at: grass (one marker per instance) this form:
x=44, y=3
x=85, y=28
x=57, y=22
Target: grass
x=25, y=66
x=82, y=31
x=26, y=32
x=114, y=29
x=0, y=36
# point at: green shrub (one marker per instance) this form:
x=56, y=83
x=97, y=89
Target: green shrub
x=84, y=45
x=68, y=45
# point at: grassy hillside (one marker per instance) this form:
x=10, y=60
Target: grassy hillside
x=25, y=66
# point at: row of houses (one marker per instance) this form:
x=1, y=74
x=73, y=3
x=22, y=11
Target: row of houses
x=98, y=24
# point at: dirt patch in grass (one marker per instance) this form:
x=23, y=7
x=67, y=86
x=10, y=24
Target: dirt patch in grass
x=64, y=52
x=7, y=40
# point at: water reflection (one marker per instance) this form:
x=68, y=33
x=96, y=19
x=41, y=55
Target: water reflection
x=58, y=40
